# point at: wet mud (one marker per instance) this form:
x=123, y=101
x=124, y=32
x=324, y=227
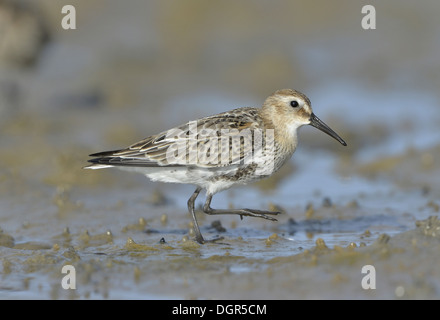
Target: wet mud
x=371, y=208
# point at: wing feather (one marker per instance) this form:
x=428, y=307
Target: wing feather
x=216, y=141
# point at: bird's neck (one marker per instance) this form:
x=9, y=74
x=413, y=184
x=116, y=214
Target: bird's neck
x=286, y=135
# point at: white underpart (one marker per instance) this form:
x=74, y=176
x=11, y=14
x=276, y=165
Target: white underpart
x=195, y=176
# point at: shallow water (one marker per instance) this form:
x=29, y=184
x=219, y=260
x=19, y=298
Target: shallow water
x=114, y=81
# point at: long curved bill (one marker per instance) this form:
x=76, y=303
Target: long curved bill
x=317, y=123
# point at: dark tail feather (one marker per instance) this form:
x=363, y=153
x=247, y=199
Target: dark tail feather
x=104, y=153
x=118, y=161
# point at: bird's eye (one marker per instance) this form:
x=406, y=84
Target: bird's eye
x=294, y=103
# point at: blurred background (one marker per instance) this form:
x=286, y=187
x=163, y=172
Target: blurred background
x=134, y=68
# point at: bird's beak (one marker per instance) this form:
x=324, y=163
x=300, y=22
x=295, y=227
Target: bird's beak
x=317, y=123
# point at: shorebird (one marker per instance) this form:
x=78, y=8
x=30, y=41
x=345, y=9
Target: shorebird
x=217, y=152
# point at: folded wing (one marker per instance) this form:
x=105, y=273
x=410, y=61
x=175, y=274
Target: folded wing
x=217, y=141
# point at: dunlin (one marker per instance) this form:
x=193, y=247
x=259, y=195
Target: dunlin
x=216, y=152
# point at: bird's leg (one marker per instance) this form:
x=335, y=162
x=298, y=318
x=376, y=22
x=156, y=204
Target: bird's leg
x=192, y=199
x=241, y=212
x=199, y=237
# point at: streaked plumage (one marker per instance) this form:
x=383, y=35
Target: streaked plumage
x=219, y=151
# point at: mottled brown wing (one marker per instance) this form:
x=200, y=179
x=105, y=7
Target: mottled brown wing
x=211, y=142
